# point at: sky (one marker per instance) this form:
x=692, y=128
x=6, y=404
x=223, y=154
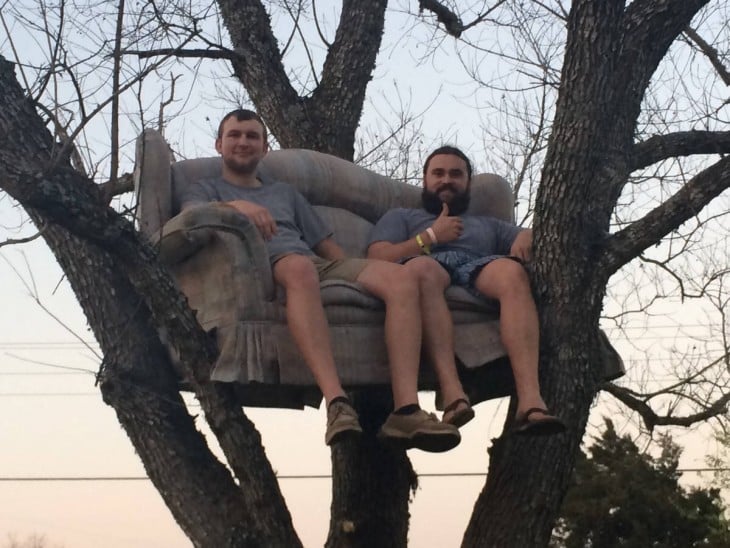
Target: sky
x=54, y=425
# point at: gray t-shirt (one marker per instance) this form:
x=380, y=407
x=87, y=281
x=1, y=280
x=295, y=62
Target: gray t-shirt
x=483, y=236
x=299, y=228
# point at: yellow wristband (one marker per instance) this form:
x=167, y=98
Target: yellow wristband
x=424, y=248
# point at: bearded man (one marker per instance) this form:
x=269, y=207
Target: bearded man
x=443, y=242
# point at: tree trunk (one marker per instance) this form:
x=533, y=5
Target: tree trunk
x=116, y=292
x=371, y=483
x=611, y=53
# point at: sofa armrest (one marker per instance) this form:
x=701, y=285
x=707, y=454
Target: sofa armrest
x=188, y=233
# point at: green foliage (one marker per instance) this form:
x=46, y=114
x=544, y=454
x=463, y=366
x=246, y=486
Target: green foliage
x=720, y=460
x=621, y=497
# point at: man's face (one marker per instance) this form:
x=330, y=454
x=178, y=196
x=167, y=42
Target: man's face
x=241, y=145
x=446, y=180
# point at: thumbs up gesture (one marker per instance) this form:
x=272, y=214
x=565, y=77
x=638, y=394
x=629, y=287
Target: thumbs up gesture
x=447, y=229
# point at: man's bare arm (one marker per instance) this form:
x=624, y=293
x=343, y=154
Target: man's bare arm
x=329, y=249
x=257, y=214
x=387, y=251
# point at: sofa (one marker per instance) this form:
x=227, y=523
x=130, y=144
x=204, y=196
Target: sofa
x=219, y=262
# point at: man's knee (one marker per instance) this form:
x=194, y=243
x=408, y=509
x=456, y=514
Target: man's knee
x=428, y=272
x=390, y=281
x=296, y=271
x=503, y=277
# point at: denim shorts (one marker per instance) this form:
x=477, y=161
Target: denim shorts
x=464, y=267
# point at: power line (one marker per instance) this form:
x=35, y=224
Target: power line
x=39, y=394
x=281, y=477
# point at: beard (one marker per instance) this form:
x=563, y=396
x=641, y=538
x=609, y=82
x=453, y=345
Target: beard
x=433, y=203
x=242, y=167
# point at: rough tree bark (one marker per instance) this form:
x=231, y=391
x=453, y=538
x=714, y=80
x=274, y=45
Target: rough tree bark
x=127, y=297
x=327, y=119
x=611, y=53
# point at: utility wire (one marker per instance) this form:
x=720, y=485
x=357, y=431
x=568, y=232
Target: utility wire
x=282, y=477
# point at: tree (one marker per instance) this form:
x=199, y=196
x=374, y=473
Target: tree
x=612, y=52
x=619, y=496
x=32, y=541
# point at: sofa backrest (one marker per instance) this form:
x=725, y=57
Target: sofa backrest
x=323, y=179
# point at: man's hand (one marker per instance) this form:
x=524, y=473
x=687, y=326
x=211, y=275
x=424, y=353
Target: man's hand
x=447, y=229
x=522, y=246
x=258, y=215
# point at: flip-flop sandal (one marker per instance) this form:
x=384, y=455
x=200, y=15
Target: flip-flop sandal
x=459, y=417
x=546, y=425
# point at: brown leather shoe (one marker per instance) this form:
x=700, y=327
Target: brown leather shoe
x=420, y=430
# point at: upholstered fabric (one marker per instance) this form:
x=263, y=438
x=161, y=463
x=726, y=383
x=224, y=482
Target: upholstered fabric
x=219, y=262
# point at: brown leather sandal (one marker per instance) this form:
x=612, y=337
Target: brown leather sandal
x=459, y=417
x=546, y=425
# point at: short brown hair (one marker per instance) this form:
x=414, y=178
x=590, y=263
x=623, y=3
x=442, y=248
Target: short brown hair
x=241, y=114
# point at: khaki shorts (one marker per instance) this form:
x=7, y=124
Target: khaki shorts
x=339, y=269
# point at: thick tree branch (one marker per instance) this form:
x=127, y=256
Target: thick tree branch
x=66, y=198
x=326, y=120
x=651, y=419
x=43, y=184
x=259, y=67
x=683, y=205
x=348, y=68
x=451, y=22
x=649, y=28
x=685, y=143
x=122, y=185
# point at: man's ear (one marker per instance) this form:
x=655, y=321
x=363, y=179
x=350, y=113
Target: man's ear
x=218, y=147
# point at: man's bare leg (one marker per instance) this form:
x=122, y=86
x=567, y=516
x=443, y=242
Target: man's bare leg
x=506, y=281
x=307, y=321
x=389, y=282
x=408, y=425
x=438, y=329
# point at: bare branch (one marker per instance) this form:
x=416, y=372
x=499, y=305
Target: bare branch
x=14, y=241
x=451, y=21
x=116, y=187
x=221, y=53
x=685, y=143
x=14, y=49
x=683, y=205
x=167, y=102
x=33, y=293
x=710, y=53
x=117, y=59
x=316, y=24
x=298, y=29
x=634, y=401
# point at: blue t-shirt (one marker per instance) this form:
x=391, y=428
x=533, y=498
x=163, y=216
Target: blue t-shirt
x=299, y=228
x=483, y=236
